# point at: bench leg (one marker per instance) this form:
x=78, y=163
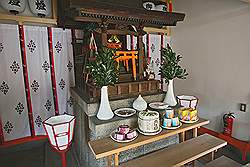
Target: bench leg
x=195, y=132
x=109, y=158
x=212, y=155
x=182, y=136
x=117, y=159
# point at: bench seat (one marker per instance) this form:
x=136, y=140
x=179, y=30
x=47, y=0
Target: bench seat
x=223, y=162
x=179, y=154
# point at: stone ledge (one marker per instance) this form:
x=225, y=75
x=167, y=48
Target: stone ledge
x=104, y=128
x=91, y=108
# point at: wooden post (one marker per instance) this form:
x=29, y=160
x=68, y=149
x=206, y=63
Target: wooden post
x=129, y=88
x=117, y=159
x=195, y=132
x=141, y=55
x=119, y=91
x=54, y=9
x=212, y=156
x=183, y=136
x=109, y=158
x=104, y=33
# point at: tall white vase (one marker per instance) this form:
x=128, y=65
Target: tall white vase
x=104, y=112
x=170, y=97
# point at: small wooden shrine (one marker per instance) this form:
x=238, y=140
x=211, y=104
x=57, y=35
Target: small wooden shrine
x=110, y=21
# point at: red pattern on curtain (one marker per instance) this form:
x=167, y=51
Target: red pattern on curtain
x=1, y=132
x=26, y=79
x=52, y=67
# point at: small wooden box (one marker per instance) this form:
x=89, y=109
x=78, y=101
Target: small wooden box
x=126, y=89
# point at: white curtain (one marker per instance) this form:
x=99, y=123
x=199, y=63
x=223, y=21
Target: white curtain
x=38, y=62
x=64, y=68
x=13, y=105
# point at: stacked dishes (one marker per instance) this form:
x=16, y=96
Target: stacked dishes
x=188, y=115
x=123, y=134
x=170, y=121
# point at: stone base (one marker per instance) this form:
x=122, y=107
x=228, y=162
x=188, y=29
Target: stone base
x=88, y=128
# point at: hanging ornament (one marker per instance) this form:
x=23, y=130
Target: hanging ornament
x=114, y=39
x=40, y=8
x=114, y=42
x=13, y=6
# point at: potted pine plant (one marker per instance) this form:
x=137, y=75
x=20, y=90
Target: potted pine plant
x=104, y=73
x=170, y=69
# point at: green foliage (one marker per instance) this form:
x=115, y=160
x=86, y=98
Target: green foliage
x=103, y=70
x=170, y=67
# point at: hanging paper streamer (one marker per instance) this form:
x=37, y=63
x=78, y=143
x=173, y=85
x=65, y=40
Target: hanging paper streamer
x=13, y=105
x=144, y=40
x=166, y=40
x=37, y=54
x=131, y=42
x=64, y=68
x=154, y=49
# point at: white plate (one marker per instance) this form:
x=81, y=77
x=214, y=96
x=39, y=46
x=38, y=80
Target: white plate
x=122, y=141
x=190, y=122
x=158, y=105
x=150, y=134
x=174, y=127
x=131, y=110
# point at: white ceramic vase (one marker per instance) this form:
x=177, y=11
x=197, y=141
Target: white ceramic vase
x=170, y=97
x=104, y=112
x=140, y=104
x=13, y=6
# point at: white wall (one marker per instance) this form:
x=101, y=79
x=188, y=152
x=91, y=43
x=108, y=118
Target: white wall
x=214, y=40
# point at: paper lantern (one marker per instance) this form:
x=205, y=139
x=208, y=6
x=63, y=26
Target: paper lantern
x=188, y=101
x=162, y=8
x=13, y=6
x=149, y=5
x=60, y=131
x=40, y=8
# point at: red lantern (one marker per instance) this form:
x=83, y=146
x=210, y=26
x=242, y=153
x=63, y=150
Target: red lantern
x=60, y=132
x=228, y=120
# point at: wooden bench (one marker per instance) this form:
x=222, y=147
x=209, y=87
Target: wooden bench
x=106, y=147
x=223, y=162
x=179, y=154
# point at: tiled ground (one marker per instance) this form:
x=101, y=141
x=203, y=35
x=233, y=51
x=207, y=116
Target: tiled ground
x=35, y=157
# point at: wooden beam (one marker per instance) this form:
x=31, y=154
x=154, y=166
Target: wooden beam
x=156, y=30
x=122, y=32
x=54, y=9
x=30, y=19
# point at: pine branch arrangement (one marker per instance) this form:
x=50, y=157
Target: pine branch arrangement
x=170, y=67
x=103, y=70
